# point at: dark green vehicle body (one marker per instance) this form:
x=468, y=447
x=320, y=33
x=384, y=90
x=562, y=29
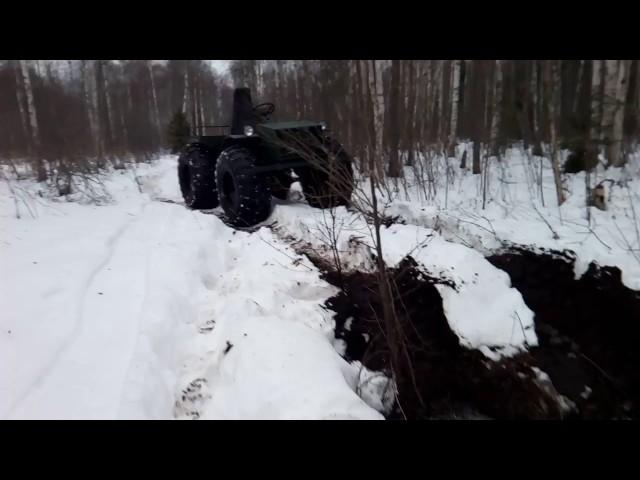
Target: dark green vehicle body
x=267, y=143
x=246, y=163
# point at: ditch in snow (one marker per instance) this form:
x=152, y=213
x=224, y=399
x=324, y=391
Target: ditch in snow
x=585, y=366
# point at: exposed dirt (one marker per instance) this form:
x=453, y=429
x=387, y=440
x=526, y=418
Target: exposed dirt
x=589, y=330
x=450, y=381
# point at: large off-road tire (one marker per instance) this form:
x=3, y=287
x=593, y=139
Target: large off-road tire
x=244, y=195
x=329, y=186
x=196, y=174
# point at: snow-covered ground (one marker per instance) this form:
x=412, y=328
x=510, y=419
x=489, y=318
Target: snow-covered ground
x=140, y=308
x=522, y=210
x=144, y=309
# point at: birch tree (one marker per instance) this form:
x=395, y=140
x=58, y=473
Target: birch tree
x=551, y=82
x=395, y=167
x=596, y=104
x=85, y=66
x=154, y=95
x=497, y=108
x=576, y=98
x=619, y=76
x=534, y=109
x=94, y=96
x=186, y=89
x=376, y=93
x=609, y=102
x=109, y=105
x=31, y=107
x=20, y=98
x=32, y=115
x=455, y=101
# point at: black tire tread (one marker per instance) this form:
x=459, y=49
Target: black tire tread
x=254, y=194
x=199, y=192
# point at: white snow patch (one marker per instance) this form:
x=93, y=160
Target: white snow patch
x=120, y=310
x=521, y=208
x=482, y=308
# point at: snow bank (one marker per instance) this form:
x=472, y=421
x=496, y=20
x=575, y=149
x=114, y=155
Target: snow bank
x=265, y=345
x=481, y=307
x=520, y=209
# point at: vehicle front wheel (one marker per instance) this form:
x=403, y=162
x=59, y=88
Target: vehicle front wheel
x=244, y=195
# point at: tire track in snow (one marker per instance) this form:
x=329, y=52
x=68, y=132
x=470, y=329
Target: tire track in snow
x=158, y=239
x=270, y=353
x=111, y=245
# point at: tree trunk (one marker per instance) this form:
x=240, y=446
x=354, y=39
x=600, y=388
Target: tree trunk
x=596, y=104
x=576, y=98
x=33, y=122
x=352, y=104
x=443, y=89
x=186, y=90
x=434, y=88
x=637, y=97
x=497, y=108
x=609, y=107
x=194, y=105
x=477, y=152
x=31, y=107
x=378, y=107
x=123, y=126
x=478, y=94
x=551, y=73
x=201, y=105
x=363, y=104
x=95, y=82
x=257, y=70
x=489, y=83
x=462, y=130
x=534, y=108
x=154, y=95
x=86, y=91
x=614, y=149
x=455, y=100
x=395, y=167
x=107, y=103
x=20, y=97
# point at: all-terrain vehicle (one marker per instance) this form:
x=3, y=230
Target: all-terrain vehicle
x=255, y=159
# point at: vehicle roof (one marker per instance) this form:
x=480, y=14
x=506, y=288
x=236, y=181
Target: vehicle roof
x=290, y=124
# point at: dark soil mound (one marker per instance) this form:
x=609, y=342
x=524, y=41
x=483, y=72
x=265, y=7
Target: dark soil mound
x=441, y=379
x=589, y=330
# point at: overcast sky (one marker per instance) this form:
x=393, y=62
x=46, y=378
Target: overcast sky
x=220, y=65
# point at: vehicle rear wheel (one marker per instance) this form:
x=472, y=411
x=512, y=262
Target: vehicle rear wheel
x=196, y=175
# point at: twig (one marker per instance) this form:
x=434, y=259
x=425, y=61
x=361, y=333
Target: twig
x=283, y=253
x=635, y=219
x=591, y=231
x=555, y=234
x=600, y=369
x=627, y=243
x=13, y=194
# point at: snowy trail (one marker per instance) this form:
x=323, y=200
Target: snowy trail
x=101, y=297
x=113, y=311
x=106, y=317
x=144, y=309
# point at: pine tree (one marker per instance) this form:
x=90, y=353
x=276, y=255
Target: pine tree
x=178, y=132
